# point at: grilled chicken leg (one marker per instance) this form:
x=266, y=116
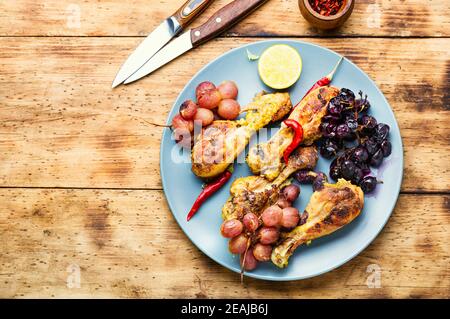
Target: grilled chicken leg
x=329, y=209
x=264, y=158
x=222, y=141
x=254, y=193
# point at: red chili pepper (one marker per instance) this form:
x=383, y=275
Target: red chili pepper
x=322, y=82
x=298, y=137
x=325, y=80
x=210, y=189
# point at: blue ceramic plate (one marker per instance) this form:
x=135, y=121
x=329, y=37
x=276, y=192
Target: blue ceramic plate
x=182, y=187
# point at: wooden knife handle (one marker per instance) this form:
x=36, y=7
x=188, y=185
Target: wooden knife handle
x=223, y=19
x=189, y=10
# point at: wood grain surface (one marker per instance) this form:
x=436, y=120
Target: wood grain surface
x=126, y=244
x=63, y=126
x=79, y=162
x=388, y=18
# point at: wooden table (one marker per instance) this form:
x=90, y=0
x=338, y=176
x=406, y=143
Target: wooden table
x=79, y=163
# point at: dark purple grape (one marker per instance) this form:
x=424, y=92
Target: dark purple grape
x=328, y=150
x=364, y=167
x=348, y=112
x=360, y=154
x=346, y=115
x=371, y=146
x=358, y=176
x=336, y=100
x=345, y=93
x=362, y=104
x=305, y=176
x=368, y=124
x=347, y=97
x=366, y=171
x=368, y=121
x=334, y=106
x=330, y=131
x=332, y=142
x=352, y=123
x=335, y=170
x=351, y=137
x=339, y=159
x=333, y=119
x=343, y=131
x=386, y=148
x=381, y=132
x=347, y=155
x=330, y=135
x=323, y=126
x=377, y=158
x=339, y=143
x=348, y=169
x=368, y=184
x=322, y=176
x=320, y=179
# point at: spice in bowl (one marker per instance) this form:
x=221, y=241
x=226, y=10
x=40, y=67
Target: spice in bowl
x=326, y=14
x=326, y=7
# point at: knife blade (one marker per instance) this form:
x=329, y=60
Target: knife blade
x=169, y=28
x=220, y=21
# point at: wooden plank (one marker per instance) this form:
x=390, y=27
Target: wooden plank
x=276, y=18
x=63, y=126
x=127, y=244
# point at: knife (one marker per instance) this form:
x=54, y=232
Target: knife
x=159, y=37
x=220, y=21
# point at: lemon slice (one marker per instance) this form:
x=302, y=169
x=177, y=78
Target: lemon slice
x=280, y=66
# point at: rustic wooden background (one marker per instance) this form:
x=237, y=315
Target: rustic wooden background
x=79, y=171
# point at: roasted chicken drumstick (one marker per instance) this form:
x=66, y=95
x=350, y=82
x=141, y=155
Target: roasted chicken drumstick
x=252, y=194
x=329, y=209
x=222, y=141
x=265, y=158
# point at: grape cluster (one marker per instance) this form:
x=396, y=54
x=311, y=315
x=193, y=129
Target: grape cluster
x=253, y=236
x=213, y=103
x=347, y=122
